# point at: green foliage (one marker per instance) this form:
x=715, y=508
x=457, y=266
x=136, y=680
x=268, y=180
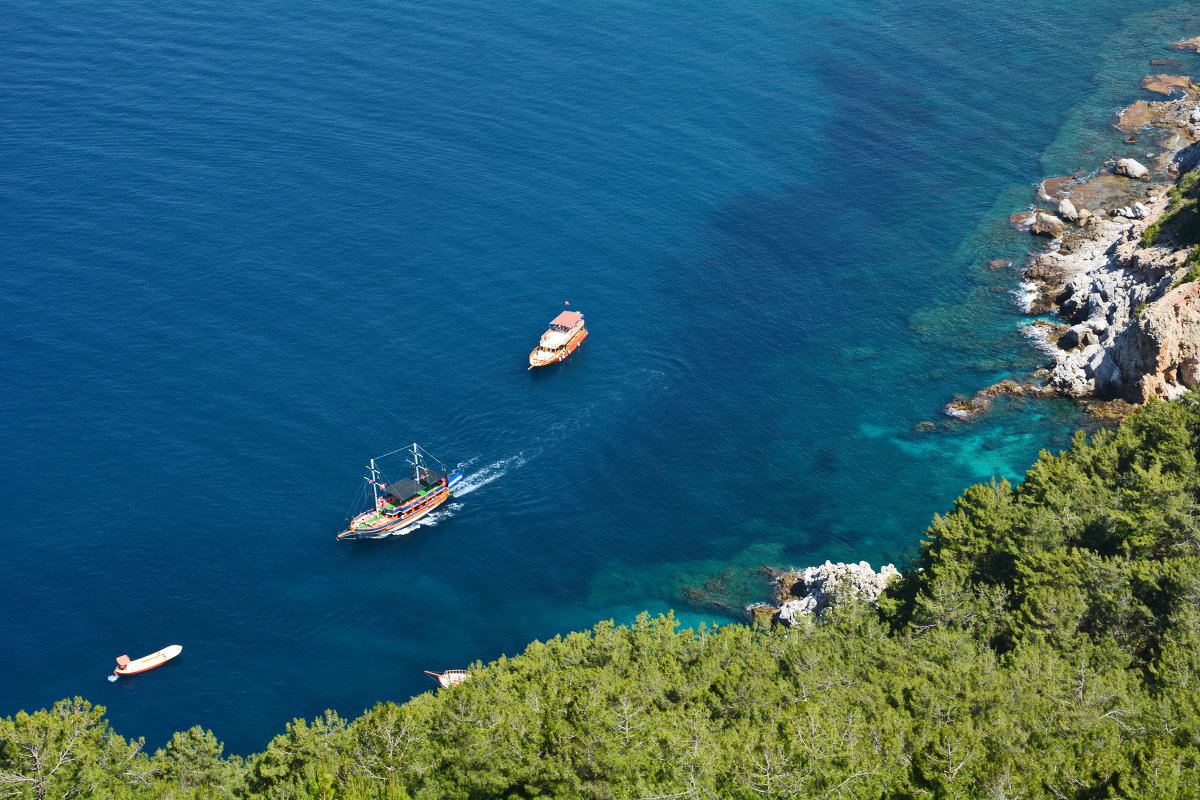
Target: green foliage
x=1193, y=265
x=192, y=764
x=1182, y=217
x=1046, y=645
x=67, y=752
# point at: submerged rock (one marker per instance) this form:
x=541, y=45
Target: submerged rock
x=963, y=407
x=812, y=591
x=1021, y=220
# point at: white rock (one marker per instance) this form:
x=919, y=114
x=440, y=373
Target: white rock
x=1132, y=169
x=794, y=611
x=831, y=583
x=1066, y=210
x=1047, y=225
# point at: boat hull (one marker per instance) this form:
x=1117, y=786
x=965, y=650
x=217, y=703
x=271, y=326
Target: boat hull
x=451, y=677
x=360, y=529
x=540, y=358
x=149, y=662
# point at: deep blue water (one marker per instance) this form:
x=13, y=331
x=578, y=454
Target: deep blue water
x=245, y=247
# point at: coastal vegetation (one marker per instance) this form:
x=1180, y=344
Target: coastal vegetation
x=1182, y=216
x=1046, y=643
x=1181, y=222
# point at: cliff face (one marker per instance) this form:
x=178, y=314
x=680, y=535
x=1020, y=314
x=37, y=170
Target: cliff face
x=1158, y=353
x=1132, y=328
x=1127, y=326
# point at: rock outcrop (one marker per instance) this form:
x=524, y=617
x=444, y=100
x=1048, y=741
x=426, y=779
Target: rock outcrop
x=1120, y=342
x=1158, y=354
x=1187, y=45
x=1170, y=85
x=809, y=593
x=1067, y=210
x=1129, y=168
x=1047, y=225
x=1132, y=327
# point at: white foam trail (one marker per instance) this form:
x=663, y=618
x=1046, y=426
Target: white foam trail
x=112, y=678
x=482, y=477
x=1025, y=295
x=1040, y=336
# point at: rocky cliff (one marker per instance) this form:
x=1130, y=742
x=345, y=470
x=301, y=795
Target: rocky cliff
x=1119, y=279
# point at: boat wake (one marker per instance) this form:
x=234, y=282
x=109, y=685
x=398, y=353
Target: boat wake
x=112, y=678
x=482, y=477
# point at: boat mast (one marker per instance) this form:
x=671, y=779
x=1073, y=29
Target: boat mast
x=416, y=464
x=374, y=483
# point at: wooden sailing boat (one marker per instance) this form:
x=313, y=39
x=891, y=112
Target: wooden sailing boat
x=405, y=501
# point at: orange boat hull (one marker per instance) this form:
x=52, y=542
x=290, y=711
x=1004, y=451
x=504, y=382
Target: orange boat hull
x=436, y=498
x=539, y=358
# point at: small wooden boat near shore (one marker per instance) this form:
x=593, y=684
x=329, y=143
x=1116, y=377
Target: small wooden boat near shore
x=127, y=667
x=451, y=677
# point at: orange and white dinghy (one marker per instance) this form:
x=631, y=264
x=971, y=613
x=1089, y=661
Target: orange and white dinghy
x=563, y=337
x=125, y=666
x=451, y=677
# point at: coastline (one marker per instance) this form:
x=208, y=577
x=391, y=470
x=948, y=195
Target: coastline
x=1113, y=308
x=1117, y=314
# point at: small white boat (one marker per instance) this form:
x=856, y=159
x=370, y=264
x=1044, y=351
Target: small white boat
x=127, y=667
x=451, y=677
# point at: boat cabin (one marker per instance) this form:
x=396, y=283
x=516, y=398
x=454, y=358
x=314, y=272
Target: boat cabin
x=566, y=321
x=561, y=329
x=406, y=488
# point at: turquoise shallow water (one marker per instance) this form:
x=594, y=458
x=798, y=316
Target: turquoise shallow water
x=247, y=248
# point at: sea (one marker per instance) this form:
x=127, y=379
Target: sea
x=246, y=247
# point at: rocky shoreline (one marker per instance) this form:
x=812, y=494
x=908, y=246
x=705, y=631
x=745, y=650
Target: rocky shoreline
x=806, y=595
x=1124, y=307
x=1117, y=309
